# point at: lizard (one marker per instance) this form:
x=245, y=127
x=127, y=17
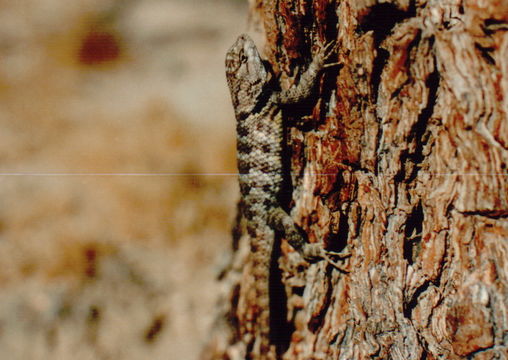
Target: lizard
x=258, y=103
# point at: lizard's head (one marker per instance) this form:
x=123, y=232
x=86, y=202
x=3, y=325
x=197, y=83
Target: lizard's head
x=246, y=74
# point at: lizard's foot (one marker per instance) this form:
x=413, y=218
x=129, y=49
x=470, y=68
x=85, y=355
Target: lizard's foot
x=326, y=53
x=315, y=252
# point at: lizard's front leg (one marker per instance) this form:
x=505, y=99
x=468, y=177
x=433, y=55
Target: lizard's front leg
x=303, y=90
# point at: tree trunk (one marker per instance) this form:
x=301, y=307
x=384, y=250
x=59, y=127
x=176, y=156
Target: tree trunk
x=402, y=160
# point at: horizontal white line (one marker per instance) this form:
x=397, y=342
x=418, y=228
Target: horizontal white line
x=465, y=174
x=211, y=174
x=118, y=174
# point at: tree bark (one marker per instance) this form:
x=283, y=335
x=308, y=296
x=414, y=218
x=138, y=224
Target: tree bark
x=402, y=160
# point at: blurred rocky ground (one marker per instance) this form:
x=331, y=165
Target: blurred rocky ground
x=114, y=220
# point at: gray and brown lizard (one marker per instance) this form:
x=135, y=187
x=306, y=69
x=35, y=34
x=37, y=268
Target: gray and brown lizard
x=260, y=136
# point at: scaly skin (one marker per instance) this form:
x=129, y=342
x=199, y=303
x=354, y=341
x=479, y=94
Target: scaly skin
x=259, y=154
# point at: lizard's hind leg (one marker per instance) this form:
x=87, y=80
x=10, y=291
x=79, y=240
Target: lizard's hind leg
x=280, y=220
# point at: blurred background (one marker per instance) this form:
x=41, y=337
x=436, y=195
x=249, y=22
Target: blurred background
x=116, y=132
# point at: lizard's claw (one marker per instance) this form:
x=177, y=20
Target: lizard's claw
x=330, y=49
x=340, y=255
x=331, y=65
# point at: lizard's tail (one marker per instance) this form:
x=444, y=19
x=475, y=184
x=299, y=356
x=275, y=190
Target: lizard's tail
x=261, y=253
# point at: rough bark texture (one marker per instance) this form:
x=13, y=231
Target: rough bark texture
x=402, y=160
